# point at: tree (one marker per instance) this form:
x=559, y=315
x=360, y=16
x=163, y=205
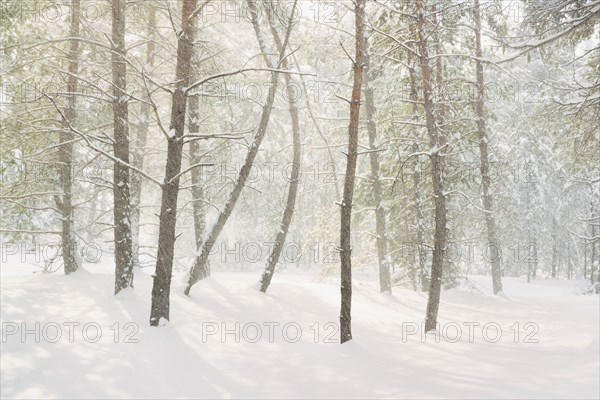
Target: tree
x=198, y=209
x=288, y=212
x=64, y=201
x=121, y=181
x=161, y=287
x=488, y=200
x=199, y=270
x=351, y=158
x=380, y=231
x=139, y=144
x=436, y=142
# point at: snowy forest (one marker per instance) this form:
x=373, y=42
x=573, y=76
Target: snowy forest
x=300, y=198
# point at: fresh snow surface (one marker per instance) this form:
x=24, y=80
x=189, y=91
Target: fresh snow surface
x=187, y=358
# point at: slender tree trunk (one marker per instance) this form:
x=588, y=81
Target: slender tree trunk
x=138, y=151
x=168, y=214
x=122, y=218
x=295, y=174
x=569, y=265
x=384, y=271
x=435, y=140
x=585, y=262
x=418, y=198
x=199, y=270
x=593, y=223
x=529, y=242
x=488, y=201
x=351, y=157
x=198, y=207
x=554, y=248
x=71, y=258
x=322, y=135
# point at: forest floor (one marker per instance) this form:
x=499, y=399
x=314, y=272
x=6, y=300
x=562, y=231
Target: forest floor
x=540, y=340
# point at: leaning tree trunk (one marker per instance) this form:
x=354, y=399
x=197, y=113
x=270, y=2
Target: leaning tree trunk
x=139, y=149
x=385, y=285
x=170, y=189
x=199, y=270
x=71, y=258
x=488, y=201
x=288, y=212
x=435, y=140
x=198, y=207
x=351, y=157
x=122, y=218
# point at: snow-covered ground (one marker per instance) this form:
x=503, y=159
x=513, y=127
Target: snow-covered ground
x=547, y=345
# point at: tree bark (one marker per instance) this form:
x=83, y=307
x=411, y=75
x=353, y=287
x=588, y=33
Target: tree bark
x=71, y=259
x=138, y=151
x=351, y=157
x=380, y=229
x=122, y=218
x=199, y=270
x=418, y=198
x=593, y=222
x=288, y=212
x=488, y=200
x=554, y=248
x=198, y=207
x=435, y=140
x=168, y=214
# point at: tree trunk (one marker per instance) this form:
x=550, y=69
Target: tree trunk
x=593, y=240
x=295, y=175
x=488, y=201
x=528, y=222
x=569, y=265
x=122, y=219
x=139, y=149
x=435, y=140
x=351, y=157
x=168, y=214
x=384, y=271
x=71, y=258
x=418, y=199
x=199, y=270
x=198, y=207
x=554, y=248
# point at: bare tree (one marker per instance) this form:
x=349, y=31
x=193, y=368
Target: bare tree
x=170, y=189
x=351, y=158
